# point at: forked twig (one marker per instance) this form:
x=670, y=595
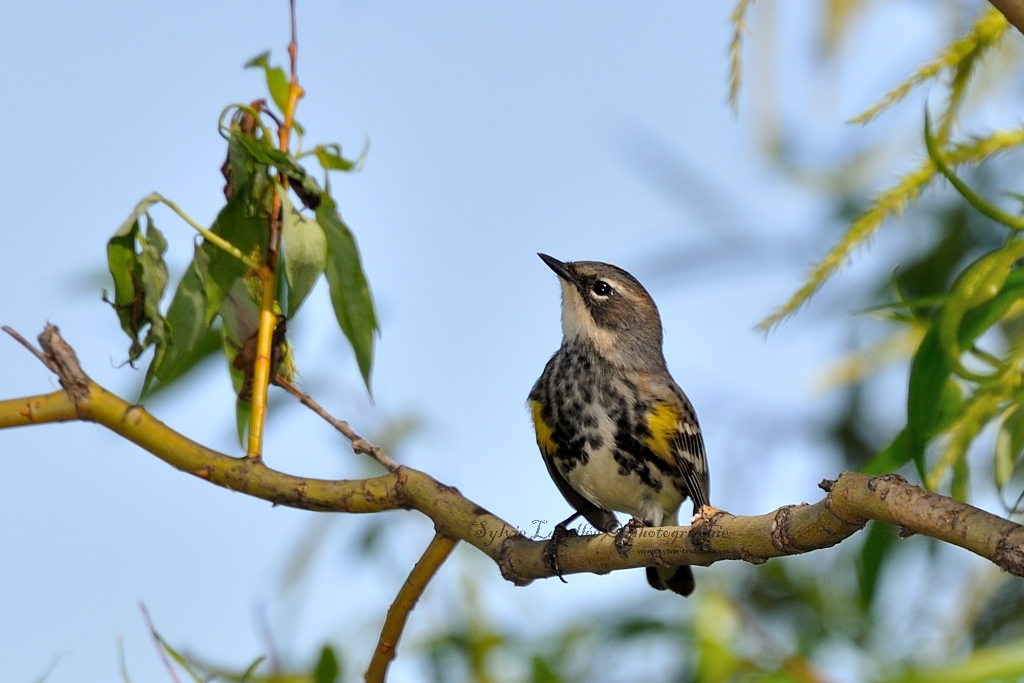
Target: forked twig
x=359, y=444
x=398, y=614
x=33, y=350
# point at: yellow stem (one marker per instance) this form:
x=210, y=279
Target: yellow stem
x=261, y=368
x=268, y=273
x=398, y=614
x=216, y=240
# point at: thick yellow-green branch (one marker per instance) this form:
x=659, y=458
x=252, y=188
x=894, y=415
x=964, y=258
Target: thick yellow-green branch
x=851, y=501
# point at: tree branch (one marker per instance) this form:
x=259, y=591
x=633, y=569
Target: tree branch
x=850, y=501
x=433, y=557
x=359, y=444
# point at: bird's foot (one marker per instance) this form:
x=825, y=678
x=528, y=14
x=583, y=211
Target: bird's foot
x=624, y=537
x=705, y=512
x=558, y=537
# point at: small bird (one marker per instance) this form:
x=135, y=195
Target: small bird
x=614, y=429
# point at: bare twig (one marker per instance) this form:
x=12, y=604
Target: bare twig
x=33, y=350
x=64, y=362
x=433, y=557
x=359, y=444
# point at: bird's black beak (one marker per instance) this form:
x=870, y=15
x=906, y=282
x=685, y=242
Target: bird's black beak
x=560, y=268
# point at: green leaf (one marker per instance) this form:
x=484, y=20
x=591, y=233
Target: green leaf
x=153, y=273
x=251, y=670
x=140, y=210
x=240, y=165
x=140, y=277
x=187, y=328
x=543, y=671
x=876, y=549
x=961, y=476
x=332, y=160
x=245, y=224
x=241, y=315
x=277, y=81
x=327, y=668
x=262, y=151
x=1009, y=445
x=1001, y=663
x=978, y=320
x=243, y=409
x=974, y=199
x=243, y=418
x=977, y=303
x=129, y=301
x=179, y=659
x=240, y=312
x=979, y=284
x=894, y=456
x=350, y=294
x=930, y=371
x=121, y=664
x=304, y=254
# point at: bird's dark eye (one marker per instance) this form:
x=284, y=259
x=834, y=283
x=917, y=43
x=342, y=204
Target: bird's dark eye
x=602, y=288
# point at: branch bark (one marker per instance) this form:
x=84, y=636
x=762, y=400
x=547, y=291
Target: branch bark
x=851, y=500
x=387, y=645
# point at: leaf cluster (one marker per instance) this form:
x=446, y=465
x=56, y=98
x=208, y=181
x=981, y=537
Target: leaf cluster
x=259, y=233
x=959, y=63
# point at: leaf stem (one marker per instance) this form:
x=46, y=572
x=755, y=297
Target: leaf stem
x=215, y=240
x=249, y=109
x=261, y=367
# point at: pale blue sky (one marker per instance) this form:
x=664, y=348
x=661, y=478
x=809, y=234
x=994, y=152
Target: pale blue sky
x=497, y=130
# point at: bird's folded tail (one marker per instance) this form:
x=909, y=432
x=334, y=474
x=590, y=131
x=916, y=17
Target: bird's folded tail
x=676, y=579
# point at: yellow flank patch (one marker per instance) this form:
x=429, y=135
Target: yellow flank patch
x=544, y=440
x=663, y=423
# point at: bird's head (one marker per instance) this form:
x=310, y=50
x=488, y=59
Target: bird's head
x=608, y=307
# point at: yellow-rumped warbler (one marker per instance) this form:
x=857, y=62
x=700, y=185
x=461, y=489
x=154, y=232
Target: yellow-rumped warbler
x=615, y=430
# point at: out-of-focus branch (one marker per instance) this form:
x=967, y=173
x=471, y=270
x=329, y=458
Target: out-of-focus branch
x=1013, y=10
x=433, y=557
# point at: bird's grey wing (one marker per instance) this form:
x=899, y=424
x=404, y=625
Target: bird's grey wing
x=688, y=447
x=688, y=450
